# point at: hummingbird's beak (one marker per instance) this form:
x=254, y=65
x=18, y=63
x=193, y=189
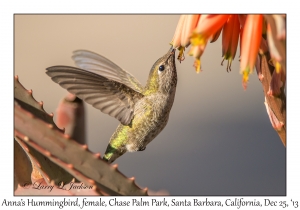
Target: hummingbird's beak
x=171, y=52
x=172, y=49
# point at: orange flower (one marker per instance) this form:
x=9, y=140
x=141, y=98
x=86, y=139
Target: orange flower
x=271, y=42
x=242, y=20
x=189, y=25
x=216, y=36
x=179, y=33
x=197, y=30
x=252, y=34
x=230, y=39
x=280, y=26
x=196, y=52
x=276, y=36
x=177, y=36
x=207, y=26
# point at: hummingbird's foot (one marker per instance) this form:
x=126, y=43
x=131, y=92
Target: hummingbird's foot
x=141, y=149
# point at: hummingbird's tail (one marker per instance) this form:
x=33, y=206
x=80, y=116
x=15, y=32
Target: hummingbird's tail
x=107, y=160
x=111, y=158
x=111, y=154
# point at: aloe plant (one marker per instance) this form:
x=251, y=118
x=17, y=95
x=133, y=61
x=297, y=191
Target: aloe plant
x=57, y=159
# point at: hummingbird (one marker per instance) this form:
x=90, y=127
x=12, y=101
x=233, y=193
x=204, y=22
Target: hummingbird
x=143, y=112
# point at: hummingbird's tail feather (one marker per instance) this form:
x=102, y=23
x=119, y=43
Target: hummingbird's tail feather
x=111, y=154
x=109, y=158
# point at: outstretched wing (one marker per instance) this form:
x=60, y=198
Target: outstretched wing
x=98, y=64
x=109, y=96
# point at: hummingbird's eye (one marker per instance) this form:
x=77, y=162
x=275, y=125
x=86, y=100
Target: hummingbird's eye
x=161, y=68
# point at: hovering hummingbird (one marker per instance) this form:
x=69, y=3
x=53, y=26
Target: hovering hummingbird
x=142, y=111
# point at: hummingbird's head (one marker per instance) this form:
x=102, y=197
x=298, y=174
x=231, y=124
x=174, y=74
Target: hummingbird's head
x=163, y=76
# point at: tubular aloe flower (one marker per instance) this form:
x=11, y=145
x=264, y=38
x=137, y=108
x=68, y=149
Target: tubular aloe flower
x=176, y=41
x=230, y=39
x=177, y=36
x=271, y=42
x=252, y=34
x=183, y=32
x=242, y=20
x=197, y=30
x=207, y=26
x=196, y=52
x=189, y=25
x=280, y=26
x=276, y=33
x=216, y=36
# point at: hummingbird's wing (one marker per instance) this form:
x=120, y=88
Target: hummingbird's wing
x=98, y=64
x=109, y=96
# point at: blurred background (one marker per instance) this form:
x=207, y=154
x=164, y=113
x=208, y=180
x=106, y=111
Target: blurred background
x=218, y=141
